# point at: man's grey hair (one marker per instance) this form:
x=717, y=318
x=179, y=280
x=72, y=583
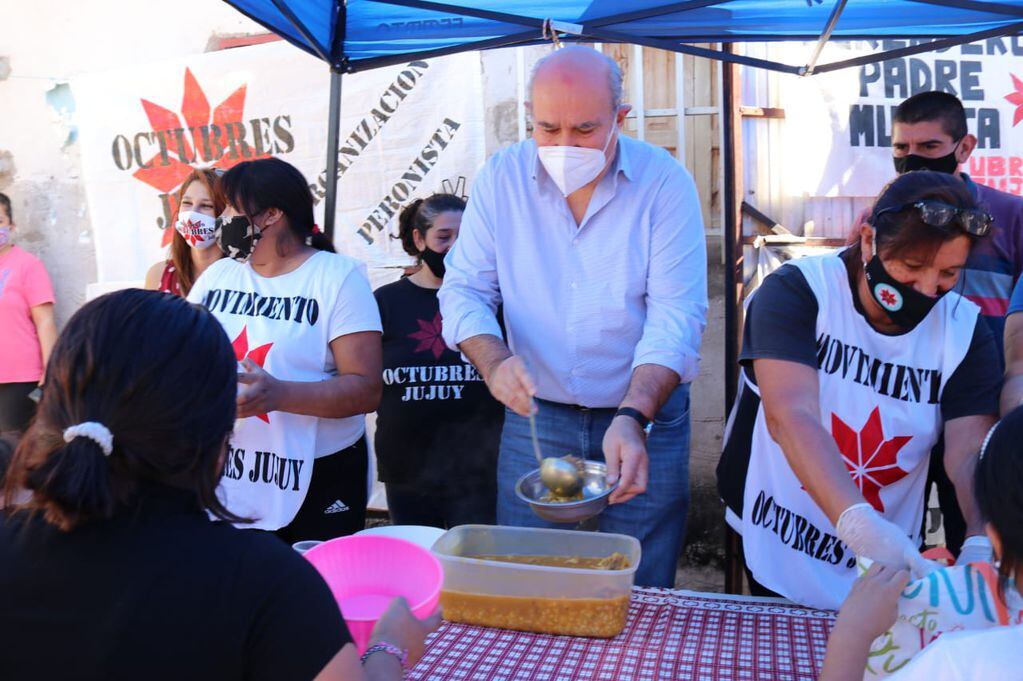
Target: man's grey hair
x=614, y=77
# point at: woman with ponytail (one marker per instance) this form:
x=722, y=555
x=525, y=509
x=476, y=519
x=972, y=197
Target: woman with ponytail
x=306, y=333
x=110, y=565
x=437, y=426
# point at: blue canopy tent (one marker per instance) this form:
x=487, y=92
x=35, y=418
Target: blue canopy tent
x=362, y=34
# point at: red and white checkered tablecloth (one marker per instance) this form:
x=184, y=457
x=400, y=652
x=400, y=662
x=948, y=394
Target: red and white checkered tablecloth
x=669, y=635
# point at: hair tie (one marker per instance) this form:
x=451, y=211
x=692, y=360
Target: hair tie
x=987, y=439
x=96, y=432
x=316, y=229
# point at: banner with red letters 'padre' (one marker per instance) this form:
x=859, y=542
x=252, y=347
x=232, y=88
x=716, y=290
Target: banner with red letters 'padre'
x=406, y=131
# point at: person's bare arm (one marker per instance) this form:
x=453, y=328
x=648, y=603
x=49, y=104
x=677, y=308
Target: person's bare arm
x=625, y=442
x=789, y=394
x=153, y=275
x=46, y=330
x=345, y=666
x=868, y=612
x=356, y=389
x=649, y=388
x=1012, y=389
x=963, y=438
x=505, y=374
x=397, y=626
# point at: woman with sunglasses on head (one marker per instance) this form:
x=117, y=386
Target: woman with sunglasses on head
x=852, y=366
x=306, y=331
x=194, y=242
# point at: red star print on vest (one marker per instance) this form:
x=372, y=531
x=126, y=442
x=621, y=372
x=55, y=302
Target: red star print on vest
x=870, y=458
x=241, y=351
x=429, y=337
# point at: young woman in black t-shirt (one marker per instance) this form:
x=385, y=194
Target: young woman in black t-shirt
x=112, y=569
x=437, y=425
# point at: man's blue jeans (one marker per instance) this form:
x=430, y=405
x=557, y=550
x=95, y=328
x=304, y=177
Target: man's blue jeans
x=657, y=518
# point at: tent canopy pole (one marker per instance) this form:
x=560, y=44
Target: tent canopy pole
x=333, y=142
x=825, y=36
x=910, y=50
x=732, y=156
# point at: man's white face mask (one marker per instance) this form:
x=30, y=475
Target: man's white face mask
x=572, y=168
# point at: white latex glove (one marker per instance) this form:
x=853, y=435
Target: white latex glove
x=976, y=549
x=871, y=536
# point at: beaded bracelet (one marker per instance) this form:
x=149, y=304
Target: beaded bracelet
x=390, y=649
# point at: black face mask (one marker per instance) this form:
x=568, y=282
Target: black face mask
x=435, y=261
x=943, y=164
x=903, y=304
x=237, y=237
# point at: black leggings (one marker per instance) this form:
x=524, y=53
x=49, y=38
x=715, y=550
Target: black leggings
x=335, y=505
x=16, y=408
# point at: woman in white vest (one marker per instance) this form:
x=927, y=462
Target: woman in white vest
x=854, y=364
x=306, y=332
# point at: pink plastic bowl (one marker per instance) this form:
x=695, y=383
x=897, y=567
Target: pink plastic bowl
x=365, y=573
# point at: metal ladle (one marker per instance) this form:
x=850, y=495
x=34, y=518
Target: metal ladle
x=563, y=475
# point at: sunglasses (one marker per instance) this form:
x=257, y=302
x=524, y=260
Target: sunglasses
x=939, y=214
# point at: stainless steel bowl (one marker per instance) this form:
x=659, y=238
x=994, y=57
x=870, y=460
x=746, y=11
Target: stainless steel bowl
x=530, y=489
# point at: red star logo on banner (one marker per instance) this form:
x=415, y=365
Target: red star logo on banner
x=1016, y=98
x=870, y=458
x=168, y=169
x=241, y=351
x=429, y=337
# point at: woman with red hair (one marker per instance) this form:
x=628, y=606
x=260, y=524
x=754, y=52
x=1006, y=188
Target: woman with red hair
x=194, y=245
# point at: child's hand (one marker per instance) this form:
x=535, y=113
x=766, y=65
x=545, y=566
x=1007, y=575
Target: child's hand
x=870, y=609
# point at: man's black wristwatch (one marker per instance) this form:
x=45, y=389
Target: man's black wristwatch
x=643, y=421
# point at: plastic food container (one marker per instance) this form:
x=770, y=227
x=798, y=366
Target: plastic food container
x=547, y=600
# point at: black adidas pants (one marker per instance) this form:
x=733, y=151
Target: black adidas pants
x=335, y=505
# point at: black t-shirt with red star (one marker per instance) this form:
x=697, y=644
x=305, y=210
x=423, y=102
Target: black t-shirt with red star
x=781, y=323
x=436, y=417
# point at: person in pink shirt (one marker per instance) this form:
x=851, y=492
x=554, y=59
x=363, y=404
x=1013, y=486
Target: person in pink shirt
x=26, y=316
